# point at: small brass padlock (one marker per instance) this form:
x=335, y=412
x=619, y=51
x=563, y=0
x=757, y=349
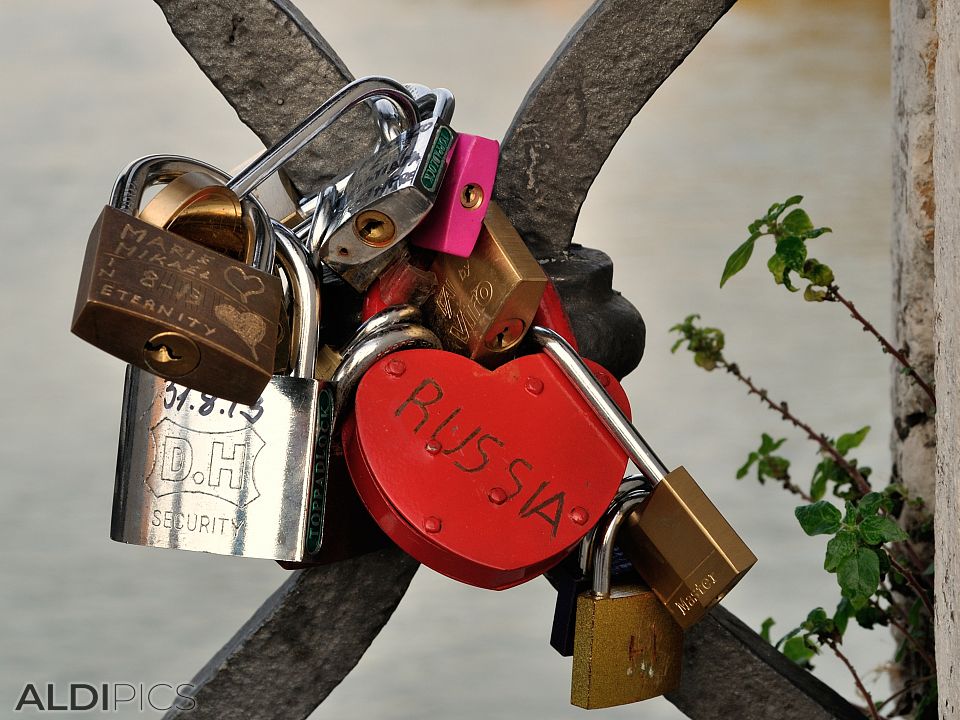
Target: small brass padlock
x=484, y=304
x=627, y=647
x=174, y=307
x=678, y=541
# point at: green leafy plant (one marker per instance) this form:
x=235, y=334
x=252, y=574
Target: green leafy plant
x=881, y=579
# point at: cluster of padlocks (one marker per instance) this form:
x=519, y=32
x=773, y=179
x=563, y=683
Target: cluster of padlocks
x=437, y=401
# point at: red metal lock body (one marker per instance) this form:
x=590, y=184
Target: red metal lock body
x=489, y=477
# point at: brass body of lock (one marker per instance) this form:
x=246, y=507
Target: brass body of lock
x=484, y=304
x=626, y=646
x=177, y=309
x=684, y=548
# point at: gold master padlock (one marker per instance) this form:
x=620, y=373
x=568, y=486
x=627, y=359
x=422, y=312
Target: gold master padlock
x=626, y=647
x=484, y=304
x=677, y=540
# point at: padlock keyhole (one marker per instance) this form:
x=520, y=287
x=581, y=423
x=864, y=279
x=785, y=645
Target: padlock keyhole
x=375, y=228
x=161, y=353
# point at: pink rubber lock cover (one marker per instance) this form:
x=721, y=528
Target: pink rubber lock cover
x=453, y=225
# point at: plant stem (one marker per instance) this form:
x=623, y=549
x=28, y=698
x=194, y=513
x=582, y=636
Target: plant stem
x=861, y=482
x=913, y=641
x=833, y=293
x=912, y=582
x=906, y=689
x=856, y=678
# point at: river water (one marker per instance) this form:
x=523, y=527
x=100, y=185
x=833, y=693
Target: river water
x=781, y=98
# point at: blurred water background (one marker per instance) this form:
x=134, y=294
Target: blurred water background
x=782, y=97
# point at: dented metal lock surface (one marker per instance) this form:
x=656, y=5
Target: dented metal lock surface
x=171, y=306
x=489, y=477
x=197, y=472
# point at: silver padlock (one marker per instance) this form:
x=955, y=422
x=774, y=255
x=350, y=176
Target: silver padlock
x=196, y=472
x=361, y=218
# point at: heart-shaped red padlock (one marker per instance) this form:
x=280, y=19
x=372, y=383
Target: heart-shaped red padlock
x=489, y=477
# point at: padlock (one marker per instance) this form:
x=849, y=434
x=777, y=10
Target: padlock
x=174, y=307
x=627, y=647
x=200, y=208
x=361, y=219
x=678, y=541
x=571, y=577
x=454, y=223
x=188, y=198
x=196, y=472
x=484, y=304
x=501, y=472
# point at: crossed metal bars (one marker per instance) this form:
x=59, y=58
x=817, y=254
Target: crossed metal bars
x=270, y=64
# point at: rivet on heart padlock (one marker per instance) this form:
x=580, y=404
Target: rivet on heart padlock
x=488, y=477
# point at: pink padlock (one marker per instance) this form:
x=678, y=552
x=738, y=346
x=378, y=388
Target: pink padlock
x=453, y=225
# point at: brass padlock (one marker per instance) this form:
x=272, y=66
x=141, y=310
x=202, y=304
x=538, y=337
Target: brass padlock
x=678, y=541
x=626, y=647
x=484, y=304
x=174, y=307
x=198, y=207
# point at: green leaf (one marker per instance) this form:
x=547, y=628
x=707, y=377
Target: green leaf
x=738, y=259
x=848, y=441
x=841, y=546
x=820, y=518
x=778, y=268
x=842, y=616
x=817, y=621
x=870, y=504
x=880, y=529
x=751, y=459
x=811, y=295
x=818, y=485
x=816, y=232
x=859, y=575
x=817, y=273
x=705, y=360
x=793, y=200
x=794, y=252
x=765, y=629
x=797, y=650
x=768, y=444
x=870, y=616
x=797, y=222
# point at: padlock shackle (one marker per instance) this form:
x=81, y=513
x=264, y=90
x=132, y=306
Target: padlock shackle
x=610, y=414
x=306, y=298
x=144, y=172
x=610, y=525
x=630, y=483
x=386, y=318
x=244, y=182
x=360, y=356
x=433, y=102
